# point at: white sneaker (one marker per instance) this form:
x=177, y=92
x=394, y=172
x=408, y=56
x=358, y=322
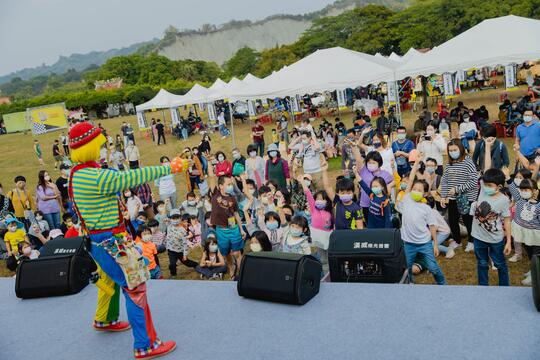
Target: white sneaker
x=527, y=281
x=527, y=274
x=454, y=245
x=469, y=247
x=450, y=253
x=493, y=267
x=515, y=258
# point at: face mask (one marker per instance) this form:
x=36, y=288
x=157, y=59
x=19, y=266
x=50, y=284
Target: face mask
x=466, y=119
x=69, y=224
x=236, y=156
x=272, y=154
x=345, y=198
x=490, y=191
x=12, y=228
x=401, y=136
x=525, y=194
x=47, y=178
x=220, y=158
x=264, y=200
x=39, y=218
x=213, y=248
x=256, y=247
x=376, y=190
x=377, y=145
x=192, y=203
x=161, y=209
x=417, y=195
x=517, y=181
x=527, y=118
x=320, y=204
x=229, y=189
x=305, y=142
x=166, y=163
x=430, y=170
x=146, y=238
x=272, y=225
x=253, y=154
x=296, y=232
x=307, y=183
x=175, y=222
x=195, y=152
x=27, y=251
x=128, y=194
x=454, y=154
x=66, y=172
x=430, y=132
x=402, y=186
x=372, y=167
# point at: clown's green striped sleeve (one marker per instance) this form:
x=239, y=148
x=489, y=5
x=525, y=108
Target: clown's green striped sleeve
x=111, y=181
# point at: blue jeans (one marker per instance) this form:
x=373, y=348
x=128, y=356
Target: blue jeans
x=155, y=273
x=427, y=250
x=260, y=148
x=184, y=133
x=483, y=250
x=440, y=239
x=223, y=130
x=53, y=219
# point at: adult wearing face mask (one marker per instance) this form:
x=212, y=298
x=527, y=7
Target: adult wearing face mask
x=255, y=165
x=239, y=162
x=226, y=219
x=49, y=200
x=368, y=170
x=277, y=169
x=195, y=173
x=22, y=201
x=459, y=188
x=309, y=150
x=132, y=155
x=432, y=145
x=223, y=166
x=468, y=132
x=401, y=148
x=528, y=137
x=166, y=186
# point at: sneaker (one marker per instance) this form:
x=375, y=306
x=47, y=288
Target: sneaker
x=450, y=253
x=119, y=326
x=493, y=267
x=527, y=274
x=515, y=258
x=454, y=245
x=223, y=137
x=164, y=348
x=527, y=281
x=469, y=247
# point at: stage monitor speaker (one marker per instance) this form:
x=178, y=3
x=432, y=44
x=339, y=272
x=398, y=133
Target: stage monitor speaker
x=64, y=268
x=280, y=277
x=367, y=255
x=535, y=277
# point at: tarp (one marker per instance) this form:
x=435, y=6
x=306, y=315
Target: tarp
x=162, y=100
x=498, y=41
x=327, y=69
x=16, y=122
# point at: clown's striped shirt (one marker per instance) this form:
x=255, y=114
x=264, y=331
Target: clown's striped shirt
x=95, y=192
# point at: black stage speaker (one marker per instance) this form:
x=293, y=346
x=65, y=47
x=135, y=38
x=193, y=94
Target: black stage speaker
x=63, y=268
x=280, y=277
x=367, y=255
x=535, y=277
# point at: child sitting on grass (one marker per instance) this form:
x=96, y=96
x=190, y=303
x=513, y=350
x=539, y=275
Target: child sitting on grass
x=212, y=264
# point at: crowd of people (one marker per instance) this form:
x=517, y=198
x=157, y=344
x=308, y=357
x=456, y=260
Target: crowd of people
x=278, y=195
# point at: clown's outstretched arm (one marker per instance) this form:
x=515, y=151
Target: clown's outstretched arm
x=111, y=181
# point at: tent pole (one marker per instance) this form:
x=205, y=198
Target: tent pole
x=232, y=124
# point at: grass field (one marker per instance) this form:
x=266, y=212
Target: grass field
x=17, y=158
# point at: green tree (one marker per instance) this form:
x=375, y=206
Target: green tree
x=242, y=62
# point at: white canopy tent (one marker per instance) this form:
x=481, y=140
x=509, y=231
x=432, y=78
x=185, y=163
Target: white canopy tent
x=327, y=69
x=412, y=52
x=193, y=96
x=249, y=78
x=498, y=41
x=395, y=57
x=162, y=100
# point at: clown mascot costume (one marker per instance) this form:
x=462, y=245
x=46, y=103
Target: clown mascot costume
x=94, y=192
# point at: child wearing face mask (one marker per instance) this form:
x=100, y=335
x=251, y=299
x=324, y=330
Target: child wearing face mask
x=491, y=226
x=259, y=242
x=348, y=214
x=14, y=236
x=380, y=212
x=177, y=243
x=28, y=252
x=526, y=223
x=149, y=251
x=297, y=237
x=212, y=264
x=419, y=227
x=43, y=224
x=270, y=223
x=162, y=215
x=133, y=204
x=158, y=237
x=513, y=188
x=191, y=205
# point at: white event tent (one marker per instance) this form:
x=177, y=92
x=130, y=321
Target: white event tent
x=498, y=41
x=327, y=69
x=163, y=99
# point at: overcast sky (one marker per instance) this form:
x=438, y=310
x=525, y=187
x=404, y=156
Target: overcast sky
x=33, y=32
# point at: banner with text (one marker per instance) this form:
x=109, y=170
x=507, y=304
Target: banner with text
x=211, y=112
x=295, y=104
x=448, y=85
x=174, y=116
x=141, y=120
x=510, y=77
x=392, y=92
x=251, y=109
